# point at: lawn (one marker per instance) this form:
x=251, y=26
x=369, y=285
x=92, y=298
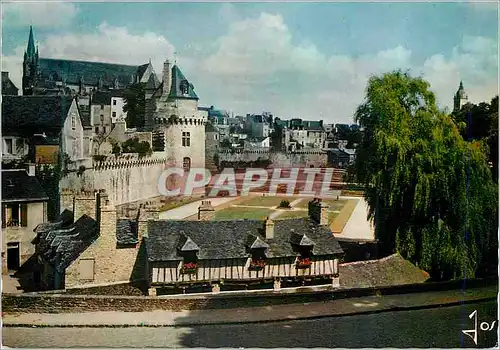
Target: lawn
x=177, y=202
x=233, y=213
x=335, y=205
x=292, y=214
x=341, y=219
x=265, y=201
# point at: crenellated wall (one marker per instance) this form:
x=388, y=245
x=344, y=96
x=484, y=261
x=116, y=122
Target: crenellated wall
x=126, y=178
x=278, y=159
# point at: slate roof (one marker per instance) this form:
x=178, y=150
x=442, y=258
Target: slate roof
x=72, y=71
x=18, y=186
x=8, y=87
x=34, y=114
x=126, y=232
x=61, y=246
x=64, y=219
x=177, y=79
x=101, y=98
x=233, y=239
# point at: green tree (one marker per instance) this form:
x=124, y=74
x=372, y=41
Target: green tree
x=143, y=148
x=135, y=105
x=480, y=122
x=429, y=191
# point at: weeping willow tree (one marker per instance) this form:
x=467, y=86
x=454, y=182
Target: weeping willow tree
x=429, y=192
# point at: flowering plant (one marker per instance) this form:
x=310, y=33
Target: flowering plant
x=189, y=268
x=303, y=262
x=257, y=264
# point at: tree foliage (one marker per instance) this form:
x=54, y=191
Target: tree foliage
x=430, y=192
x=480, y=122
x=134, y=145
x=135, y=104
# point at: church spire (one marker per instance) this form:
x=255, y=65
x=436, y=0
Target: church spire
x=31, y=44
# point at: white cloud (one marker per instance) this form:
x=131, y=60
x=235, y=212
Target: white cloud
x=39, y=14
x=256, y=66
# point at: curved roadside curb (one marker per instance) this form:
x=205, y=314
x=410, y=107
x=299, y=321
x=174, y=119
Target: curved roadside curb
x=222, y=323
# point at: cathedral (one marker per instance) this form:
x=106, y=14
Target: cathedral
x=171, y=115
x=460, y=98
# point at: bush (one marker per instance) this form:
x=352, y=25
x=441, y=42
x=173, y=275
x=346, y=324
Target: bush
x=99, y=157
x=285, y=204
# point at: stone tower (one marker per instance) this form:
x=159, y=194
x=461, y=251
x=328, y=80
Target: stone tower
x=460, y=98
x=30, y=66
x=173, y=116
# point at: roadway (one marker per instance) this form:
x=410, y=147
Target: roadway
x=437, y=327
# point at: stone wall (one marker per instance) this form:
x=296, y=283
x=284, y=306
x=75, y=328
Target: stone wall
x=125, y=178
x=111, y=262
x=278, y=159
x=42, y=303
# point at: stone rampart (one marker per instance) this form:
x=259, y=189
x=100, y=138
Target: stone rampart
x=126, y=178
x=278, y=159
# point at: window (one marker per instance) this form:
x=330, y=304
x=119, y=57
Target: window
x=73, y=122
x=96, y=129
x=186, y=163
x=114, y=102
x=186, y=142
x=102, y=106
x=8, y=146
x=114, y=114
x=14, y=215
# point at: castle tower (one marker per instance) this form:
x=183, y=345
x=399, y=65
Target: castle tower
x=30, y=65
x=460, y=98
x=173, y=113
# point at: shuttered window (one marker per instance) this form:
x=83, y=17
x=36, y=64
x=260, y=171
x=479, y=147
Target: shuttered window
x=24, y=215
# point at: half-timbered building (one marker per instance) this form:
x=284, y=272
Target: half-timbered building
x=208, y=255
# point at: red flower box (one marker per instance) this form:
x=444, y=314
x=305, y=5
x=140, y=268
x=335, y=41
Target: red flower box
x=303, y=263
x=189, y=268
x=257, y=264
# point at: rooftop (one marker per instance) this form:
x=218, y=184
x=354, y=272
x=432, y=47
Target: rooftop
x=18, y=186
x=230, y=239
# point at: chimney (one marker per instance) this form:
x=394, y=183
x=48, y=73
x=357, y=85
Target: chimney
x=30, y=168
x=146, y=213
x=318, y=211
x=106, y=217
x=205, y=211
x=167, y=77
x=269, y=229
x=86, y=203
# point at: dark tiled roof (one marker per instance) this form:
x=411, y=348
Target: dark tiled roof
x=232, y=239
x=17, y=185
x=142, y=69
x=34, y=114
x=126, y=232
x=67, y=242
x=8, y=87
x=63, y=220
x=101, y=98
x=72, y=71
x=152, y=83
x=178, y=79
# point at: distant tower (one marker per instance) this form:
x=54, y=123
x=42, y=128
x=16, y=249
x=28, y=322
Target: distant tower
x=30, y=66
x=460, y=98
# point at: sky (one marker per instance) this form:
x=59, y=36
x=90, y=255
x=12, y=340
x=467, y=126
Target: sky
x=296, y=60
